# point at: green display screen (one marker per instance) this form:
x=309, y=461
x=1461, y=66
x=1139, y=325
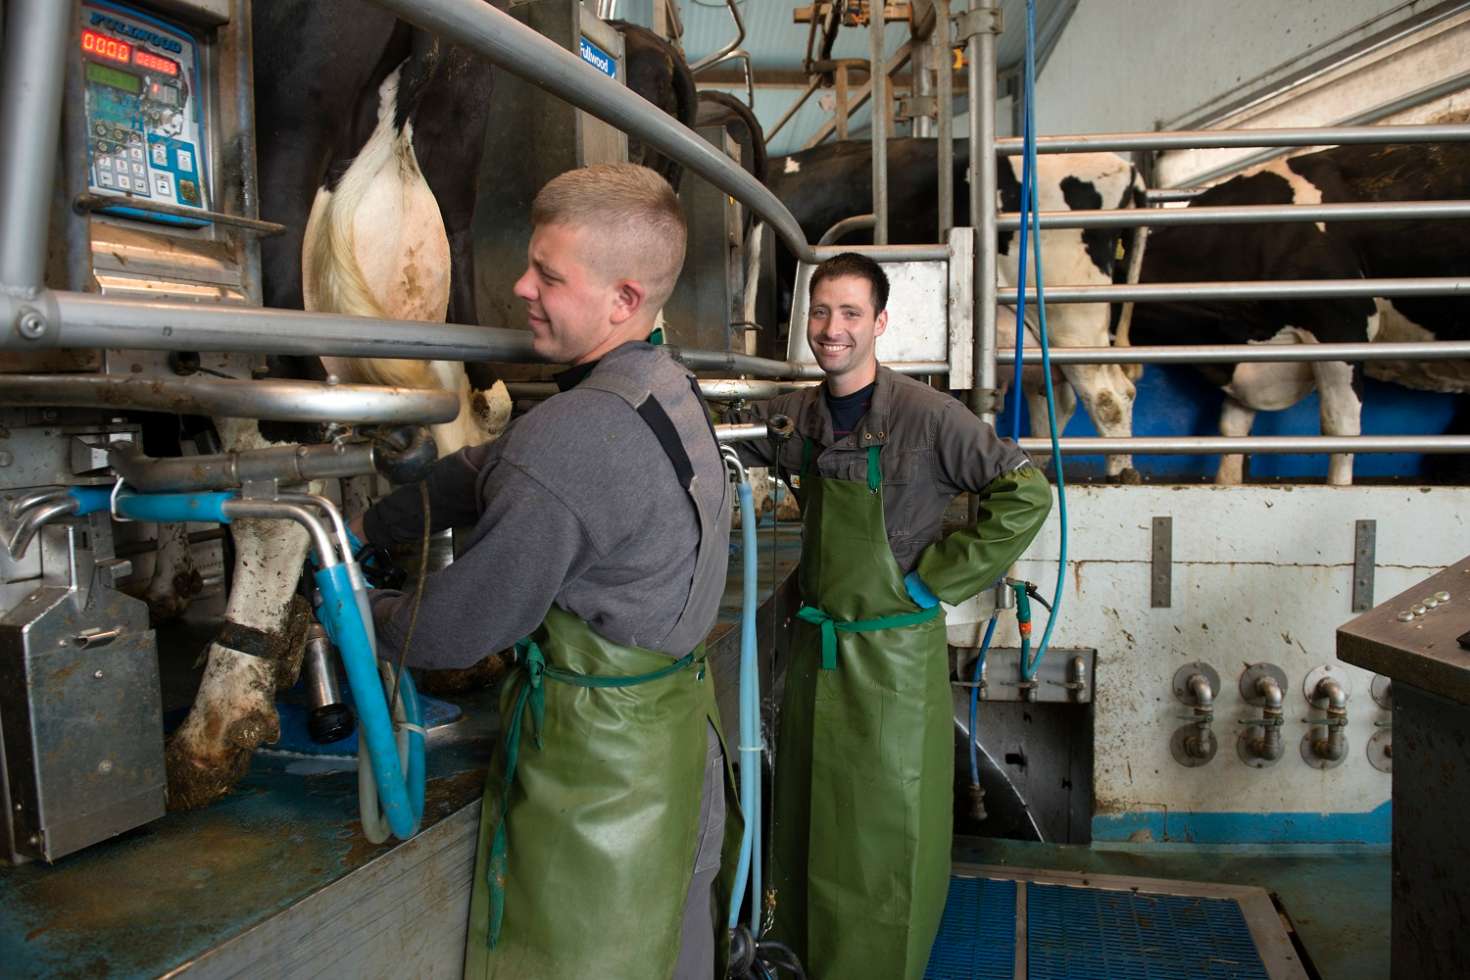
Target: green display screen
x=113, y=77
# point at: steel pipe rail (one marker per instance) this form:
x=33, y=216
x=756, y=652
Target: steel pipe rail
x=1214, y=139
x=227, y=471
x=980, y=50
x=1435, y=350
x=271, y=399
x=36, y=33
x=741, y=433
x=728, y=362
x=713, y=389
x=88, y=320
x=1267, y=289
x=1241, y=215
x=1277, y=445
x=506, y=42
x=720, y=54
x=858, y=222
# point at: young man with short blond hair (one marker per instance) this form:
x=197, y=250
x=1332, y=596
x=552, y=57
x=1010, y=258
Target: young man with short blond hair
x=600, y=542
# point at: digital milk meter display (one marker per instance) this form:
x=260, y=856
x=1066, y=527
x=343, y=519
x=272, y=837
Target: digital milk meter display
x=144, y=107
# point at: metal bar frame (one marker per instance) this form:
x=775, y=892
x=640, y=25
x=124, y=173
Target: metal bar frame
x=1259, y=289
x=980, y=53
x=1275, y=445
x=31, y=317
x=1434, y=350
x=1242, y=214
x=878, y=126
x=1215, y=139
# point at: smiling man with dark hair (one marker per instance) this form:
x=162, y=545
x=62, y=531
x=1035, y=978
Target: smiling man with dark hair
x=862, y=815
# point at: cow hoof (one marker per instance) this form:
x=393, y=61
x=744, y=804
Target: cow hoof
x=1130, y=477
x=448, y=683
x=290, y=647
x=196, y=779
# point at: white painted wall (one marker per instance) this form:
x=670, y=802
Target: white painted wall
x=1125, y=64
x=1259, y=574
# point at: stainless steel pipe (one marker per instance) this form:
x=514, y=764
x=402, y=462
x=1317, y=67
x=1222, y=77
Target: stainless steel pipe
x=1241, y=215
x=227, y=471
x=878, y=127
x=1277, y=445
x=1210, y=139
x=980, y=49
x=272, y=399
x=1265, y=289
x=1437, y=350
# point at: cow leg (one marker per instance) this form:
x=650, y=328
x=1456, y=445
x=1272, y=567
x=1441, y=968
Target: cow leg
x=1235, y=420
x=1342, y=412
x=1066, y=403
x=175, y=580
x=1106, y=395
x=257, y=650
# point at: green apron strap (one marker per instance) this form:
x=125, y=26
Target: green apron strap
x=533, y=695
x=807, y=451
x=830, y=626
x=875, y=472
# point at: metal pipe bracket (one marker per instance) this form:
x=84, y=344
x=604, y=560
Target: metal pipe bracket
x=981, y=20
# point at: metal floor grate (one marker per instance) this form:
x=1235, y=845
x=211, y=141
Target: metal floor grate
x=1083, y=933
x=977, y=936
x=1129, y=929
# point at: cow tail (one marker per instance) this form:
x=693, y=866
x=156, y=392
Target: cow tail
x=331, y=278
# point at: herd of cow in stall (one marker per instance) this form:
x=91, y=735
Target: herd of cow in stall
x=370, y=132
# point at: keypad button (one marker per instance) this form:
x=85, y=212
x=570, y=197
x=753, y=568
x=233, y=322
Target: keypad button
x=160, y=154
x=136, y=152
x=124, y=182
x=104, y=163
x=189, y=191
x=164, y=185
x=105, y=179
x=186, y=160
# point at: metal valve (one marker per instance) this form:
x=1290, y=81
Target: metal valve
x=1260, y=744
x=1194, y=744
x=1324, y=746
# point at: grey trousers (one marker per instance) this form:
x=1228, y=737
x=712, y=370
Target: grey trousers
x=697, y=936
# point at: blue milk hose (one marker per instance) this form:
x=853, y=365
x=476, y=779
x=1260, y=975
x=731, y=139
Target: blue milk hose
x=748, y=867
x=344, y=606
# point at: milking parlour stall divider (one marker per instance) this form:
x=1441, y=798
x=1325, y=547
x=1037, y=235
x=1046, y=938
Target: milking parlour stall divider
x=1195, y=615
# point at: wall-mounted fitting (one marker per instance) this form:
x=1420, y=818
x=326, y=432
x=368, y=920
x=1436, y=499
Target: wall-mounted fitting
x=1324, y=746
x=1380, y=750
x=1382, y=692
x=1195, y=685
x=1260, y=744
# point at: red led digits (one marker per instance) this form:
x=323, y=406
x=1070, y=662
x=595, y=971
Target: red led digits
x=154, y=63
x=106, y=47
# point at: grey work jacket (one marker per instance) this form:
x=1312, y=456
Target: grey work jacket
x=933, y=449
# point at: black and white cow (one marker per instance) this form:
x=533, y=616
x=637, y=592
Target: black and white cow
x=370, y=135
x=833, y=181
x=1340, y=250
x=657, y=71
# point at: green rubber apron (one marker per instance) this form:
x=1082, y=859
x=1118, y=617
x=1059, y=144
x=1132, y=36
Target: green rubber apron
x=591, y=816
x=863, y=810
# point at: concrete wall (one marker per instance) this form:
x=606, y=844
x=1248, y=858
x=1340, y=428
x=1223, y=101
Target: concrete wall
x=1126, y=64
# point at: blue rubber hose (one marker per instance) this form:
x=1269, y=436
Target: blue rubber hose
x=157, y=507
x=402, y=798
x=1031, y=665
x=975, y=697
x=748, y=869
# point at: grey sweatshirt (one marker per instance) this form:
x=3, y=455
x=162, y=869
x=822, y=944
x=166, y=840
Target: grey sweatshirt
x=575, y=504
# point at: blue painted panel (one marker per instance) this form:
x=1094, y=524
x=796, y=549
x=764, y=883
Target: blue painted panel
x=1178, y=401
x=1372, y=827
x=1077, y=933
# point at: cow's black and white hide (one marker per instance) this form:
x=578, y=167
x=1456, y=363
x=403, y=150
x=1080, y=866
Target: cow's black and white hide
x=369, y=137
x=1341, y=250
x=828, y=183
x=657, y=71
